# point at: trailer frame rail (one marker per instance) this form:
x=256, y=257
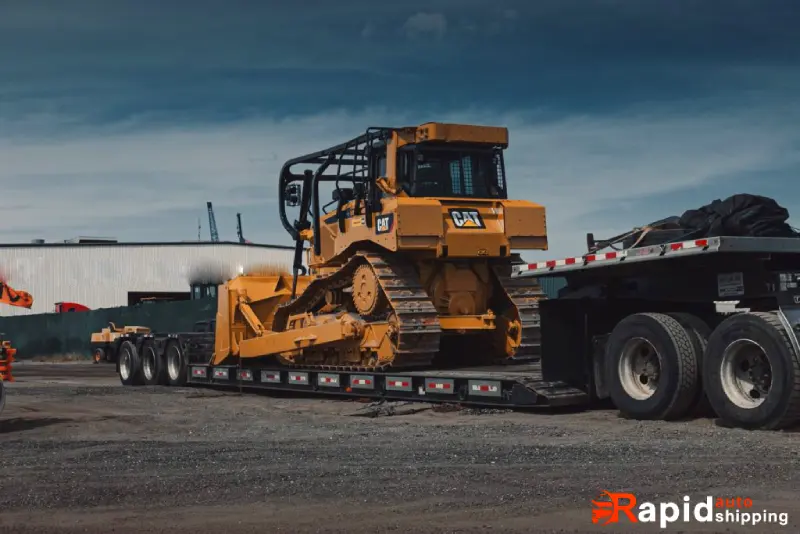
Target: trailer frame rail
x=511, y=386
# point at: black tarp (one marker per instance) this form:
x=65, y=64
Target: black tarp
x=740, y=215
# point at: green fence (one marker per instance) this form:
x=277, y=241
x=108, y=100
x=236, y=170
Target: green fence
x=68, y=334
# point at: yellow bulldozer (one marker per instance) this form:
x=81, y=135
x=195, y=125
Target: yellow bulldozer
x=408, y=266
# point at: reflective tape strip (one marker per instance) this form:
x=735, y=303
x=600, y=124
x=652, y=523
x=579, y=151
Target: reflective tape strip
x=485, y=388
x=298, y=378
x=221, y=373
x=328, y=380
x=270, y=377
x=649, y=250
x=398, y=383
x=440, y=385
x=362, y=382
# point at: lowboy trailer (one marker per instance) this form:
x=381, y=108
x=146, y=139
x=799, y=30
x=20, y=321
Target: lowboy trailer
x=639, y=326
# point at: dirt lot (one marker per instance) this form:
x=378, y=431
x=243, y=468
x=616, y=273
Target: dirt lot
x=82, y=454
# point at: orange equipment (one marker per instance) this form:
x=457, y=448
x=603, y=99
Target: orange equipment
x=410, y=262
x=12, y=297
x=6, y=358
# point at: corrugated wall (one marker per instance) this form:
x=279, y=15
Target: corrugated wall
x=101, y=276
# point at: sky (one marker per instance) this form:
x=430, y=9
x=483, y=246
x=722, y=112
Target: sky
x=121, y=119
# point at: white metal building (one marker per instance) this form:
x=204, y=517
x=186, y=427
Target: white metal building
x=103, y=274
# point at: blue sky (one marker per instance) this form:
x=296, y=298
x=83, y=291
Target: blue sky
x=120, y=119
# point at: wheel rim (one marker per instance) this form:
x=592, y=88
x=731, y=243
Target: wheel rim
x=173, y=364
x=745, y=373
x=149, y=364
x=639, y=368
x=125, y=365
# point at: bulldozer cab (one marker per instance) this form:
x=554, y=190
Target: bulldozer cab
x=450, y=172
x=406, y=189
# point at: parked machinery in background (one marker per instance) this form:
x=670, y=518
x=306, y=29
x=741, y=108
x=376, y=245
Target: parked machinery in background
x=106, y=343
x=6, y=359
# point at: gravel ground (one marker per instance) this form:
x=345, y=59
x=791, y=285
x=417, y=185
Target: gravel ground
x=80, y=453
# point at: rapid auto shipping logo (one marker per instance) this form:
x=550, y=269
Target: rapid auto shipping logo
x=466, y=218
x=611, y=508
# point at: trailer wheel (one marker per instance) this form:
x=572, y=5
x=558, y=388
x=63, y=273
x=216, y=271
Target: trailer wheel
x=129, y=365
x=752, y=372
x=651, y=367
x=699, y=332
x=152, y=366
x=176, y=364
x=99, y=355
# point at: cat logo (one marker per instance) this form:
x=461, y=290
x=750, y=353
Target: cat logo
x=383, y=223
x=466, y=218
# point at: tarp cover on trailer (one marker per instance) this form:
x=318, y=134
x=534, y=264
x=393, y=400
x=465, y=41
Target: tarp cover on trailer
x=740, y=215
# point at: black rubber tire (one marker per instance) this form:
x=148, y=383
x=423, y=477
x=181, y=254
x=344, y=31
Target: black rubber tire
x=699, y=331
x=173, y=352
x=153, y=368
x=781, y=408
x=99, y=355
x=2, y=396
x=129, y=357
x=678, y=381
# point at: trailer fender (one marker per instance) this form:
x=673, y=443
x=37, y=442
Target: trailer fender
x=789, y=316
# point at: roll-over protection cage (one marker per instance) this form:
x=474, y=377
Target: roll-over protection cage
x=353, y=162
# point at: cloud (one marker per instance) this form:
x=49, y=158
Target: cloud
x=421, y=24
x=150, y=182
x=510, y=14
x=368, y=30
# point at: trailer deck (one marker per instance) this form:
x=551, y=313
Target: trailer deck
x=515, y=386
x=680, y=249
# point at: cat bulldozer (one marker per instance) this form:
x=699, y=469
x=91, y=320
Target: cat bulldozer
x=407, y=266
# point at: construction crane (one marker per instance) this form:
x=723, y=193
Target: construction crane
x=212, y=223
x=239, y=228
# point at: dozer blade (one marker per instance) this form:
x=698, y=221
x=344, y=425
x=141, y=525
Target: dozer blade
x=307, y=331
x=412, y=315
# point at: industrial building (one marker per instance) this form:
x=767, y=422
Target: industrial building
x=103, y=273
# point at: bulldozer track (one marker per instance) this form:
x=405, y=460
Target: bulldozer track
x=525, y=295
x=419, y=333
x=417, y=341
